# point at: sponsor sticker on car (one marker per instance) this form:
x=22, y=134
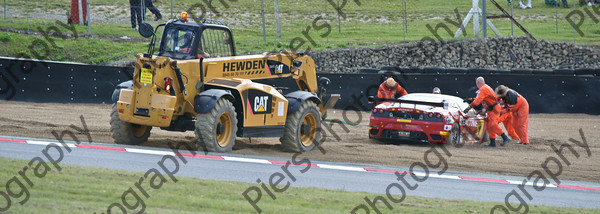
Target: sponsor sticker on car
x=447, y=127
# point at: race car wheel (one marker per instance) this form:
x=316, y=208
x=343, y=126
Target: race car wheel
x=455, y=135
x=486, y=137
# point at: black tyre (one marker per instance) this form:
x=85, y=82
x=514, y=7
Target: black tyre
x=455, y=135
x=127, y=133
x=216, y=129
x=302, y=129
x=486, y=137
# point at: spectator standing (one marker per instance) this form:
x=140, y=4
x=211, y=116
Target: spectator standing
x=525, y=6
x=522, y=5
x=587, y=2
x=153, y=9
x=136, y=13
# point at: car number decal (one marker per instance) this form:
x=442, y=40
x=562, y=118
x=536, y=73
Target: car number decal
x=479, y=128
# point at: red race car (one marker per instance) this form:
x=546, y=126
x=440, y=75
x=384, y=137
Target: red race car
x=424, y=117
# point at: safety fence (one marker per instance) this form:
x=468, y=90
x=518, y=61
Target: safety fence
x=558, y=91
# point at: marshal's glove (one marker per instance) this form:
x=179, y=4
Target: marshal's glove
x=468, y=100
x=467, y=110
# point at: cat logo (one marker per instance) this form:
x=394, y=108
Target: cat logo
x=259, y=102
x=276, y=67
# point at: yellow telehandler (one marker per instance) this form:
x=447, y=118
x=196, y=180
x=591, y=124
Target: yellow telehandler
x=196, y=82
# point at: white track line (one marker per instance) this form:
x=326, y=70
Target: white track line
x=45, y=143
x=531, y=183
x=434, y=175
x=250, y=160
x=147, y=151
x=347, y=168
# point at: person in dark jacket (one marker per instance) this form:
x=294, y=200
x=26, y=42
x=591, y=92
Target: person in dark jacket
x=153, y=9
x=136, y=13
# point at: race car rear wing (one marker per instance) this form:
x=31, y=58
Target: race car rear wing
x=443, y=104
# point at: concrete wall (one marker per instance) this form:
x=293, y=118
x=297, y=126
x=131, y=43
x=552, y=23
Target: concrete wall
x=493, y=53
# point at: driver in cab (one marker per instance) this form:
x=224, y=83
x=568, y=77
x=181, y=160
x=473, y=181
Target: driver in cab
x=187, y=43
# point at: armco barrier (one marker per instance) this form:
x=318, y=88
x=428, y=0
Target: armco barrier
x=560, y=91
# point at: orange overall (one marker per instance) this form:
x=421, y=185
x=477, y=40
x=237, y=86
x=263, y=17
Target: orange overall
x=507, y=120
x=386, y=92
x=520, y=114
x=488, y=97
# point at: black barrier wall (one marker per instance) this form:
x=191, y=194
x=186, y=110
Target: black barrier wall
x=47, y=81
x=545, y=93
x=43, y=81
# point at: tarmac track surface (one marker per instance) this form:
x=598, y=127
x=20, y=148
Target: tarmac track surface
x=351, y=145
x=328, y=175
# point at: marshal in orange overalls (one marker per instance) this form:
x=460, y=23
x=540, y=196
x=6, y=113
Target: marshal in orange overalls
x=488, y=97
x=520, y=114
x=390, y=92
x=507, y=119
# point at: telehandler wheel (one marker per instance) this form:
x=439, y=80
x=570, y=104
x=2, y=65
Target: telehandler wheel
x=216, y=130
x=127, y=133
x=302, y=129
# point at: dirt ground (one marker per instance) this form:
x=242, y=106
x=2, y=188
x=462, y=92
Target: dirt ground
x=39, y=119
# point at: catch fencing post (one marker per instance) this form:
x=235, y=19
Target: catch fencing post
x=484, y=16
x=574, y=32
x=277, y=19
x=89, y=21
x=405, y=24
x=80, y=12
x=262, y=11
x=338, y=13
x=556, y=15
x=512, y=29
x=27, y=13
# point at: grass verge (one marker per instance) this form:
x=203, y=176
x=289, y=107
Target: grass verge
x=77, y=189
x=315, y=22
